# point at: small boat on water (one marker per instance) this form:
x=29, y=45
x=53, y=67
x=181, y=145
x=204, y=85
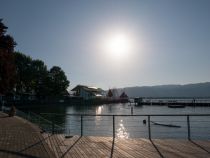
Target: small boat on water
x=167, y=125
x=176, y=106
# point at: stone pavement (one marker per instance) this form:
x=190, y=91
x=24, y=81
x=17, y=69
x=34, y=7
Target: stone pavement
x=21, y=139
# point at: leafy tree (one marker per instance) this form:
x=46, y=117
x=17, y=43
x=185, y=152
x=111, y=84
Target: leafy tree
x=20, y=72
x=31, y=75
x=40, y=78
x=58, y=81
x=24, y=73
x=7, y=67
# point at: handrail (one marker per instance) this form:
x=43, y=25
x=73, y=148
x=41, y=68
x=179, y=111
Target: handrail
x=40, y=117
x=28, y=117
x=44, y=123
x=113, y=116
x=125, y=115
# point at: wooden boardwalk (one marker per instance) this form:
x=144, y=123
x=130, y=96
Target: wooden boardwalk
x=105, y=147
x=21, y=139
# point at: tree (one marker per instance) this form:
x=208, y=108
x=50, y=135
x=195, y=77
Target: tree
x=110, y=94
x=58, y=81
x=40, y=78
x=24, y=73
x=7, y=66
x=31, y=75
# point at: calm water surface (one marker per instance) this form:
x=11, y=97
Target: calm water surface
x=126, y=127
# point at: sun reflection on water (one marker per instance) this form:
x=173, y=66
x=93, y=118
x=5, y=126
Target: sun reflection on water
x=99, y=110
x=98, y=119
x=121, y=131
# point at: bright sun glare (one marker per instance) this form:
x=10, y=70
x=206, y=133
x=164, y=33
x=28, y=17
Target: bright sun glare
x=118, y=46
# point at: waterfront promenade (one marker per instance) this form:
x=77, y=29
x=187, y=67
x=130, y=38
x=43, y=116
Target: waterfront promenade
x=19, y=138
x=106, y=147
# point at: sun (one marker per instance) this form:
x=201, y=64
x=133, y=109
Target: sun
x=118, y=46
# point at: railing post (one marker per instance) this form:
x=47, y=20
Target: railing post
x=188, y=127
x=81, y=125
x=113, y=126
x=149, y=128
x=28, y=117
x=53, y=125
x=131, y=110
x=39, y=124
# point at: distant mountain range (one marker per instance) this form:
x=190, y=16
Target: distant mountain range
x=188, y=90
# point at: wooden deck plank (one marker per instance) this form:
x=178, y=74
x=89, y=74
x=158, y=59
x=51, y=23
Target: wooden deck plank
x=101, y=147
x=20, y=138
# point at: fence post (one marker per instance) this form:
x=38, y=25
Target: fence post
x=81, y=125
x=131, y=110
x=113, y=126
x=28, y=117
x=149, y=128
x=39, y=121
x=53, y=125
x=188, y=127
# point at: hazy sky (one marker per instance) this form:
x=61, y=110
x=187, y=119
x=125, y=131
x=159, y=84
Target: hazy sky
x=169, y=41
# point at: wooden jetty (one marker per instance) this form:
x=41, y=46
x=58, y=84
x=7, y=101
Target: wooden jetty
x=104, y=147
x=188, y=102
x=20, y=139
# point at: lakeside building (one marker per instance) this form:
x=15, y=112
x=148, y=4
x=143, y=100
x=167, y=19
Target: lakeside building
x=87, y=93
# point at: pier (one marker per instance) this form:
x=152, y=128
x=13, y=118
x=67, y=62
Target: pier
x=107, y=147
x=169, y=101
x=20, y=138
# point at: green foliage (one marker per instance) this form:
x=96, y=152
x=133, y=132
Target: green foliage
x=33, y=77
x=58, y=81
x=25, y=75
x=7, y=67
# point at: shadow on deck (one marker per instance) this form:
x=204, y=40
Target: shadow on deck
x=90, y=146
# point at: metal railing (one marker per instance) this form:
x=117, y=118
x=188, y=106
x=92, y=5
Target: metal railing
x=157, y=126
x=190, y=126
x=41, y=122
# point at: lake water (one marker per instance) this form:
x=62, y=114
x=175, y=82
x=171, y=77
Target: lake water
x=132, y=126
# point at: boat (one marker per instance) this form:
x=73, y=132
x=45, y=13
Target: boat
x=176, y=106
x=167, y=125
